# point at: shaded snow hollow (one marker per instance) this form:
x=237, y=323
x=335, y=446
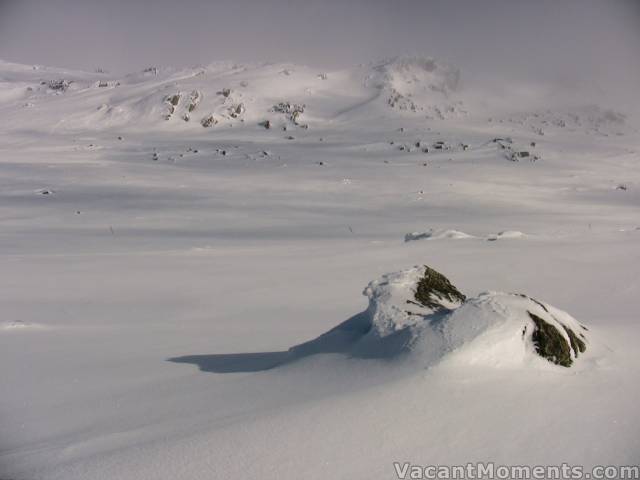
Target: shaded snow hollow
x=418, y=312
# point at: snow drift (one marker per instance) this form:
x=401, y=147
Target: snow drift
x=418, y=312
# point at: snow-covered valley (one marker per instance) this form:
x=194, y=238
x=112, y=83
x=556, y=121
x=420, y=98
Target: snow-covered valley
x=167, y=236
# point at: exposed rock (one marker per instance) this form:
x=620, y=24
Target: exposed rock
x=435, y=291
x=516, y=156
x=171, y=102
x=293, y=111
x=194, y=99
x=401, y=102
x=551, y=342
x=59, y=85
x=173, y=99
x=208, y=121
x=266, y=124
x=512, y=152
x=236, y=110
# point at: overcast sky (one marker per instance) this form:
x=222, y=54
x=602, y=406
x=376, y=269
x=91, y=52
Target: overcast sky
x=562, y=40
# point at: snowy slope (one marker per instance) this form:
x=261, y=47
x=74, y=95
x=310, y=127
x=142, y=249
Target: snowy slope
x=158, y=275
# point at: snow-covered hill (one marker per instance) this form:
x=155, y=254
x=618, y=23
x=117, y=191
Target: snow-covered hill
x=225, y=94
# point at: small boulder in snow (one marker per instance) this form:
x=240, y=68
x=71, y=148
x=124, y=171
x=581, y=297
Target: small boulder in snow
x=208, y=121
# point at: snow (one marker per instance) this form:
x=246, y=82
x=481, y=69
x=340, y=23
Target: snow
x=437, y=235
x=507, y=234
x=492, y=329
x=159, y=311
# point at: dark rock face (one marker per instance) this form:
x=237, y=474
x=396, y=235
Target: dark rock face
x=552, y=345
x=433, y=288
x=171, y=102
x=576, y=343
x=174, y=99
x=194, y=100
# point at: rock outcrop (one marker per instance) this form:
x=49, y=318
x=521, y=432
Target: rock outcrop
x=419, y=312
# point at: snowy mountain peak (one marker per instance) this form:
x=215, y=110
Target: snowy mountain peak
x=417, y=84
x=413, y=74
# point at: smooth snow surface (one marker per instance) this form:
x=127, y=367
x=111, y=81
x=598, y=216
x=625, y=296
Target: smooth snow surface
x=159, y=276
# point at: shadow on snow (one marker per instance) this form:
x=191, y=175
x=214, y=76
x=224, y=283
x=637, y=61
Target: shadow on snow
x=349, y=338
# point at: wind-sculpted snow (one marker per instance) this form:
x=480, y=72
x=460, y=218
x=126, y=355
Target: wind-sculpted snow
x=437, y=234
x=417, y=314
x=494, y=329
x=432, y=234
